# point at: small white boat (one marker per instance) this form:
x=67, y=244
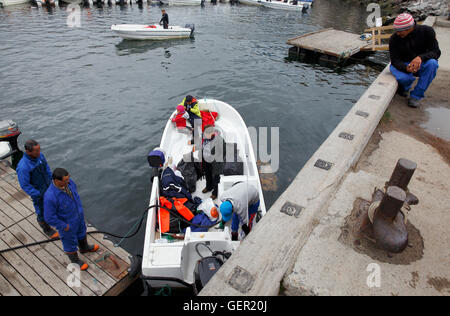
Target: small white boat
x=173, y=263
x=280, y=5
x=178, y=2
x=152, y=32
x=12, y=2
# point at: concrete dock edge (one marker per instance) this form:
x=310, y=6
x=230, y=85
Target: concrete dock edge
x=269, y=252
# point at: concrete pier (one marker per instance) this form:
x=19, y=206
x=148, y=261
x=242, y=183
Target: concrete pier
x=298, y=247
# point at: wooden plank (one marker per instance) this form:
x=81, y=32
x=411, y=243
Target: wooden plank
x=11, y=213
x=18, y=194
x=331, y=42
x=15, y=280
x=47, y=276
x=292, y=40
x=60, y=271
x=119, y=252
x=101, y=276
x=26, y=271
x=12, y=200
x=87, y=278
x=6, y=289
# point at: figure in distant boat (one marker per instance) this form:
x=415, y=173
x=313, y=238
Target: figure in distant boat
x=164, y=20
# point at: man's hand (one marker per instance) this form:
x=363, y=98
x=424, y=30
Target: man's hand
x=414, y=65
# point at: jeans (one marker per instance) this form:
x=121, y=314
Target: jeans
x=426, y=74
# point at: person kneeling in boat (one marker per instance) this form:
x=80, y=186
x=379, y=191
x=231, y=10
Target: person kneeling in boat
x=164, y=20
x=195, y=117
x=241, y=203
x=64, y=211
x=213, y=158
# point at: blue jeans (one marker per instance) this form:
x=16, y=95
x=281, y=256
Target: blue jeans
x=426, y=74
x=252, y=210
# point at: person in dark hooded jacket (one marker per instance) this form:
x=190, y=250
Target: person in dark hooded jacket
x=213, y=155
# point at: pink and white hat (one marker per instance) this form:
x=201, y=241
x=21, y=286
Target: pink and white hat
x=403, y=22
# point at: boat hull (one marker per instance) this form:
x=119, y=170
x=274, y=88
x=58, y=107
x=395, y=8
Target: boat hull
x=13, y=2
x=177, y=259
x=143, y=32
x=278, y=5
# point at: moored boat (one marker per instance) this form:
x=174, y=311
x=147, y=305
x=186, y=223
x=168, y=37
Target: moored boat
x=176, y=262
x=152, y=32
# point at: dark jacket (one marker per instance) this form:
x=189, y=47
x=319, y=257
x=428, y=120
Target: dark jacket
x=420, y=42
x=34, y=176
x=214, y=152
x=173, y=186
x=164, y=19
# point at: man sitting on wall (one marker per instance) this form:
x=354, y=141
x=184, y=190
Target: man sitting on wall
x=414, y=52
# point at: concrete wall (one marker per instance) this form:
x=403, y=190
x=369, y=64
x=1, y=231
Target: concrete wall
x=270, y=251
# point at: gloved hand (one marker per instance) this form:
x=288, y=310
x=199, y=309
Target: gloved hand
x=245, y=229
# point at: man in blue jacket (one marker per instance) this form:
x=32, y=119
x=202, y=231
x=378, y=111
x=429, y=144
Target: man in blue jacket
x=64, y=211
x=34, y=176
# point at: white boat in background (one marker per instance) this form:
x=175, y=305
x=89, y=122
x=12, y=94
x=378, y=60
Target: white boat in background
x=173, y=263
x=251, y=2
x=12, y=2
x=152, y=32
x=280, y=5
x=179, y=2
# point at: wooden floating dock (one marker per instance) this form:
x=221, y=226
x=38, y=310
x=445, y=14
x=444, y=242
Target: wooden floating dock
x=338, y=45
x=42, y=270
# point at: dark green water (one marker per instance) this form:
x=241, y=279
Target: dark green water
x=98, y=104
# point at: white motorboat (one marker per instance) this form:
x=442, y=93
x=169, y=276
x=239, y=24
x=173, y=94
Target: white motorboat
x=179, y=2
x=152, y=32
x=12, y=2
x=280, y=5
x=173, y=263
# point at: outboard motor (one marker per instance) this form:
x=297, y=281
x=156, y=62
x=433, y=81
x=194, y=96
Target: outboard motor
x=9, y=132
x=156, y=159
x=192, y=27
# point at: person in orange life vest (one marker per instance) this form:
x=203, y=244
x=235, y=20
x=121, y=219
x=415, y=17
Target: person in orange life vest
x=64, y=211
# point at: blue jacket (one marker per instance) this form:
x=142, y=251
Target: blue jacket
x=34, y=176
x=60, y=209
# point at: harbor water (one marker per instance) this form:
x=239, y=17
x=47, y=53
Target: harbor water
x=98, y=104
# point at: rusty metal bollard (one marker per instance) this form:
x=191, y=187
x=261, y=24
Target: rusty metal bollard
x=401, y=177
x=389, y=227
x=385, y=220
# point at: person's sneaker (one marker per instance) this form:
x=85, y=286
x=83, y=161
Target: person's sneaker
x=402, y=92
x=50, y=232
x=413, y=103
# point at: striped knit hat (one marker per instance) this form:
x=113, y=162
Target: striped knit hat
x=403, y=22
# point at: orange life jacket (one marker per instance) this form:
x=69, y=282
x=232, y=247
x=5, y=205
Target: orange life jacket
x=164, y=215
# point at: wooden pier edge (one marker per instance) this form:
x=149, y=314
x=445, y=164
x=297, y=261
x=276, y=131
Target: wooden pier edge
x=42, y=270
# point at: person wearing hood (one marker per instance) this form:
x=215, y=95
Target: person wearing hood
x=35, y=176
x=240, y=203
x=414, y=52
x=213, y=159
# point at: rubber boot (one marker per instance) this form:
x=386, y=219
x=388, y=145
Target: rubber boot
x=85, y=247
x=50, y=232
x=73, y=256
